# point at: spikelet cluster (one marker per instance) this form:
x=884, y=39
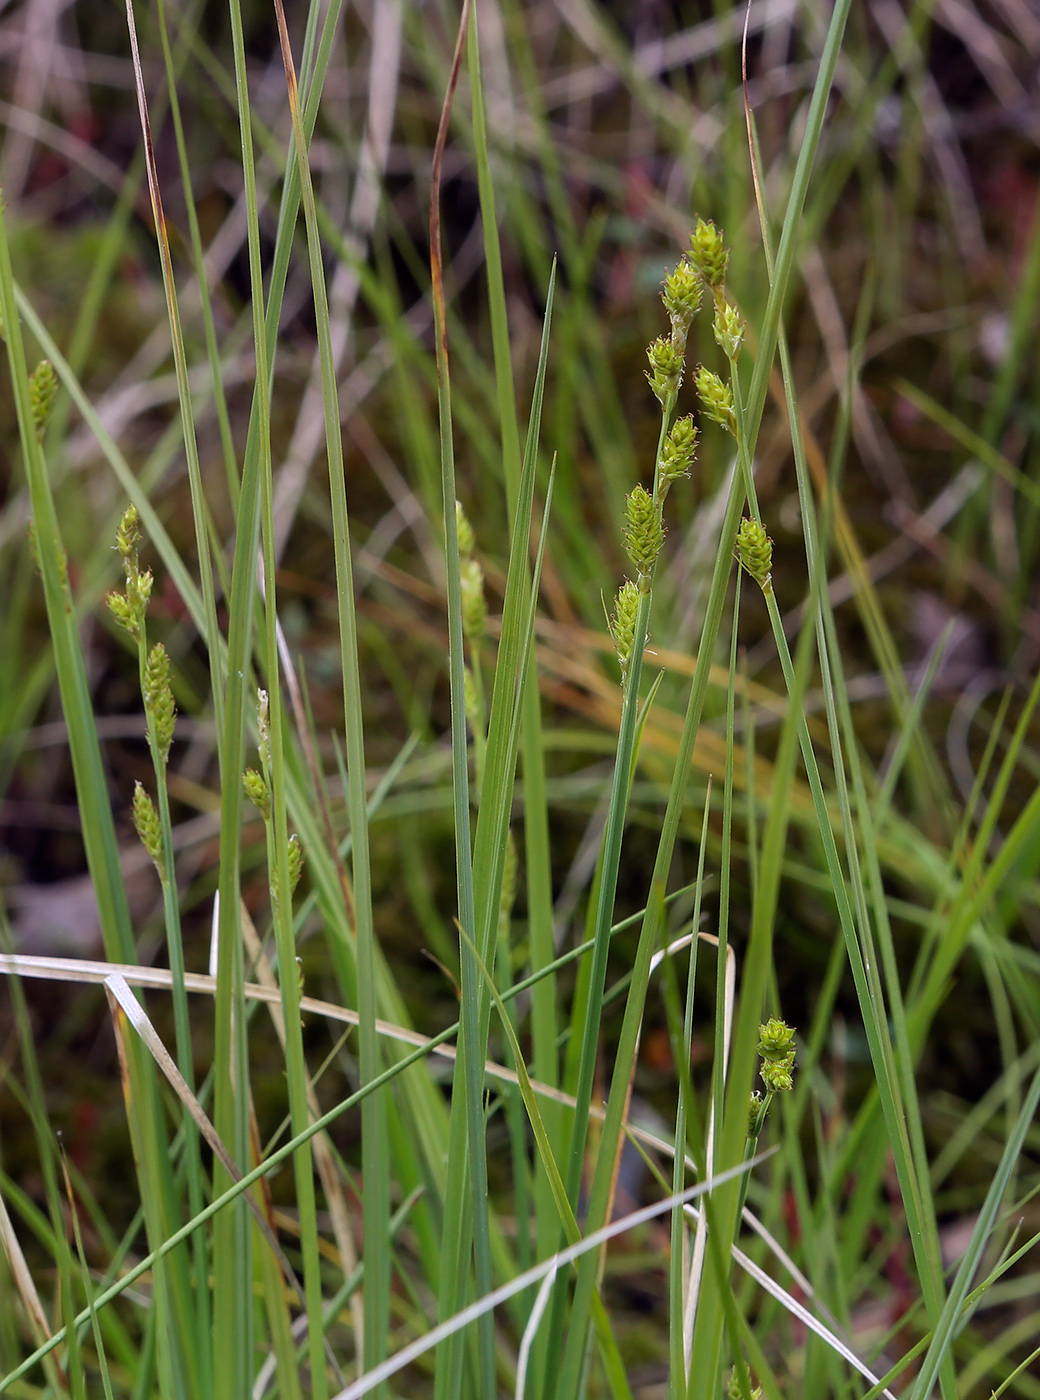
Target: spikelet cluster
x=158, y=699
x=43, y=389
x=716, y=399
x=622, y=624
x=734, y=1390
x=471, y=580
x=256, y=789
x=677, y=455
x=149, y=828
x=709, y=254
x=129, y=607
x=666, y=368
x=728, y=329
x=643, y=532
x=776, y=1048
x=755, y=552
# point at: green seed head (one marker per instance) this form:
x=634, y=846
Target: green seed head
x=734, y=1391
x=777, y=1048
x=666, y=367
x=124, y=612
x=474, y=606
x=677, y=453
x=158, y=698
x=257, y=791
x=775, y=1039
x=128, y=537
x=146, y=823
x=474, y=717
x=716, y=399
x=129, y=611
x=729, y=329
x=139, y=589
x=43, y=388
x=777, y=1076
x=623, y=623
x=510, y=873
x=682, y=298
x=464, y=530
x=643, y=533
x=755, y=552
x=295, y=862
x=755, y=1114
x=709, y=254
x=263, y=724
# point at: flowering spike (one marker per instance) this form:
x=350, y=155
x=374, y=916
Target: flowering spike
x=464, y=530
x=643, y=533
x=124, y=613
x=775, y=1039
x=263, y=724
x=756, y=1113
x=682, y=299
x=471, y=700
x=777, y=1048
x=147, y=825
x=666, y=367
x=128, y=536
x=709, y=254
x=734, y=1390
x=716, y=399
x=777, y=1077
x=623, y=623
x=728, y=327
x=257, y=791
x=158, y=698
x=510, y=873
x=474, y=605
x=755, y=552
x=677, y=454
x=295, y=861
x=43, y=389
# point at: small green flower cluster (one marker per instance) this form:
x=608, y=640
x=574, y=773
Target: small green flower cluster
x=776, y=1049
x=257, y=787
x=622, y=623
x=643, y=528
x=677, y=455
x=43, y=389
x=471, y=580
x=510, y=885
x=643, y=531
x=755, y=552
x=128, y=608
x=474, y=618
x=702, y=269
x=158, y=699
x=710, y=256
x=734, y=1391
x=716, y=399
x=149, y=828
